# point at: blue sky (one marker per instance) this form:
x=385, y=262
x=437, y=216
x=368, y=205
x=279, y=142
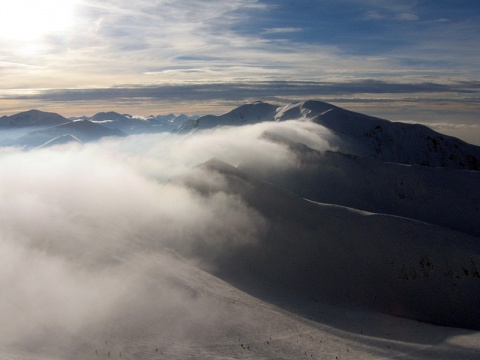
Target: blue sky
x=410, y=60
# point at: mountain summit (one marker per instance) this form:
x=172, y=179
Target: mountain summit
x=32, y=118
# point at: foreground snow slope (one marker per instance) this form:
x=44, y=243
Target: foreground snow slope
x=168, y=309
x=330, y=253
x=441, y=196
x=317, y=281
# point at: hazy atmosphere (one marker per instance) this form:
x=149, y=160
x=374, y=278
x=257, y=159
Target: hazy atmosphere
x=413, y=60
x=245, y=179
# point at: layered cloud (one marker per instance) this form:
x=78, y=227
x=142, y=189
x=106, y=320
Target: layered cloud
x=144, y=56
x=123, y=40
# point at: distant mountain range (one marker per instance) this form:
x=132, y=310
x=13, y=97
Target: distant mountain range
x=362, y=135
x=31, y=118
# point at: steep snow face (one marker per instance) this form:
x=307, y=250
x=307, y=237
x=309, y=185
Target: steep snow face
x=32, y=118
x=245, y=114
x=303, y=110
x=188, y=127
x=403, y=143
x=387, y=141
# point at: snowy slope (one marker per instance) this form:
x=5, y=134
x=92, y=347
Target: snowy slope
x=356, y=252
x=246, y=114
x=215, y=263
x=388, y=141
x=32, y=118
x=164, y=123
x=61, y=140
x=441, y=196
x=111, y=116
x=361, y=134
x=82, y=130
x=123, y=122
x=335, y=254
x=308, y=286
x=139, y=125
x=202, y=317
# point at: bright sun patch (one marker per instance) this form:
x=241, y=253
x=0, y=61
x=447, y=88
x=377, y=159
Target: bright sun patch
x=30, y=20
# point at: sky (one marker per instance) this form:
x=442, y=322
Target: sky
x=410, y=60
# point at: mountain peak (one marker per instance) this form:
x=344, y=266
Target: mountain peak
x=110, y=115
x=31, y=118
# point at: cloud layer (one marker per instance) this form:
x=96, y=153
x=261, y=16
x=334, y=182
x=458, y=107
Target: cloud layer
x=91, y=232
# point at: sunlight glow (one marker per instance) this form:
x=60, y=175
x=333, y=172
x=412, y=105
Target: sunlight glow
x=30, y=20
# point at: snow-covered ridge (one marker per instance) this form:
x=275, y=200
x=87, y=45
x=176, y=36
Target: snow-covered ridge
x=32, y=118
x=75, y=131
x=384, y=263
x=439, y=196
x=361, y=135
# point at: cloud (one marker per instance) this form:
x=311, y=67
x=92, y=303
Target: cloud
x=104, y=234
x=282, y=30
x=374, y=15
x=145, y=56
x=129, y=39
x=10, y=65
x=245, y=90
x=407, y=17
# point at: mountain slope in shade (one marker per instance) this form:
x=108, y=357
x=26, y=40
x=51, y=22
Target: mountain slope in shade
x=384, y=140
x=139, y=125
x=361, y=134
x=445, y=197
x=83, y=130
x=236, y=264
x=61, y=140
x=203, y=317
x=339, y=255
x=125, y=123
x=32, y=118
x=110, y=115
x=246, y=114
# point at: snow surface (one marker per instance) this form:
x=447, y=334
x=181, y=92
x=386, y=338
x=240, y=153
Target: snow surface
x=440, y=196
x=335, y=236
x=82, y=130
x=138, y=125
x=32, y=118
x=360, y=134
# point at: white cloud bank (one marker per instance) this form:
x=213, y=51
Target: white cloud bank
x=87, y=231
